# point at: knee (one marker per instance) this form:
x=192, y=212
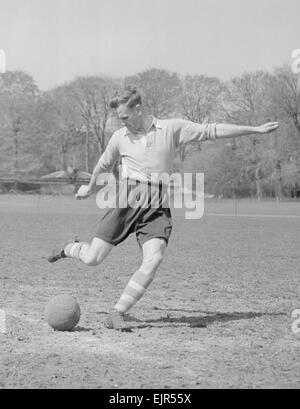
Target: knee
x=92, y=259
x=95, y=253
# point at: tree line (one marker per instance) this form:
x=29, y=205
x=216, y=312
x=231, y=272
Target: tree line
x=70, y=125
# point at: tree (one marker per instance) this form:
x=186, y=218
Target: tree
x=51, y=131
x=92, y=96
x=249, y=102
x=286, y=95
x=285, y=100
x=160, y=90
x=18, y=91
x=201, y=98
x=64, y=118
x=201, y=102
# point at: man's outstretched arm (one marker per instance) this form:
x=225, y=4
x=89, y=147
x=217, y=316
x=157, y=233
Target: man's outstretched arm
x=231, y=131
x=186, y=131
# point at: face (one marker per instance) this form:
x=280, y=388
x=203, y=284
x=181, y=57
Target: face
x=130, y=117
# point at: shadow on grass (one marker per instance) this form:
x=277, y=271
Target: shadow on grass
x=201, y=321
x=82, y=329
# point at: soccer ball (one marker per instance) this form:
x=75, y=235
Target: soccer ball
x=62, y=313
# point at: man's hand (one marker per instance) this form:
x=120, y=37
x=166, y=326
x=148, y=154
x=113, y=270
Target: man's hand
x=83, y=192
x=267, y=128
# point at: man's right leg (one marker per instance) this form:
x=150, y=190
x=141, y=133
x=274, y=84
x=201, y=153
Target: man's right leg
x=90, y=254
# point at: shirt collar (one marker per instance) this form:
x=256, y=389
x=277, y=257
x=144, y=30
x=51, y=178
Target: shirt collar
x=155, y=124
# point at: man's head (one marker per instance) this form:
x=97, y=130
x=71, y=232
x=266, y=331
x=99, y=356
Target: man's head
x=129, y=108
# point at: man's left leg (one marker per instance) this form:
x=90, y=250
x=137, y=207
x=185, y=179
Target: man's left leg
x=153, y=252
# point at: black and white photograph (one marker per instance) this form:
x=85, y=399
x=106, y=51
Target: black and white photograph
x=149, y=197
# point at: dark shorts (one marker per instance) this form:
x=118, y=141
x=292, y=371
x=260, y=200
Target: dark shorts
x=152, y=219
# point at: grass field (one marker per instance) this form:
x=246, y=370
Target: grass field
x=217, y=315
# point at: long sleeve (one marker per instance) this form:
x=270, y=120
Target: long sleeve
x=187, y=131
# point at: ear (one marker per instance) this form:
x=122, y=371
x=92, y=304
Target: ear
x=139, y=108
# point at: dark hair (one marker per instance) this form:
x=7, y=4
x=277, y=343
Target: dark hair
x=130, y=96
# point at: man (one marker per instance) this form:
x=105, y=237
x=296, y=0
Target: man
x=146, y=146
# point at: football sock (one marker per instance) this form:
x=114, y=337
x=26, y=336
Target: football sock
x=134, y=291
x=74, y=250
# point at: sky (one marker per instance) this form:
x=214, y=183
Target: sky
x=57, y=40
